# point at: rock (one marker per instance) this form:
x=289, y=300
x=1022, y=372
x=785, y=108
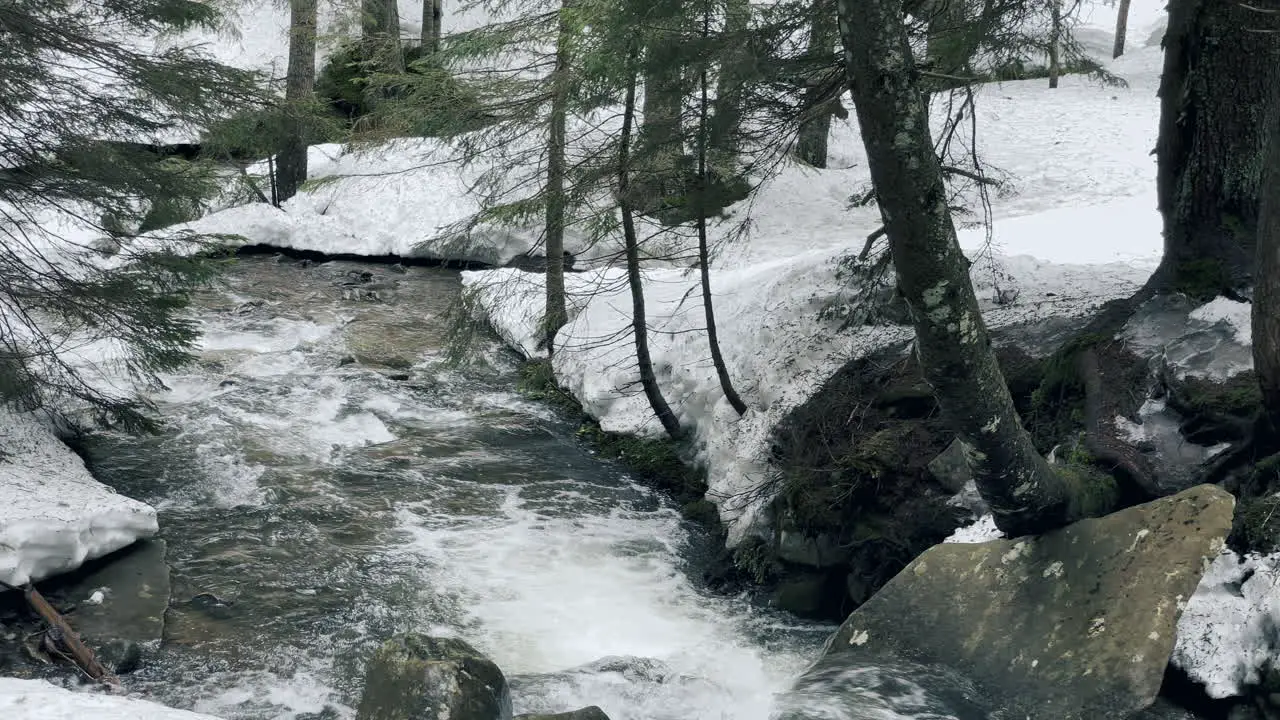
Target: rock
x=395, y=346
x=134, y=583
x=587, y=713
x=415, y=677
x=1077, y=623
x=820, y=551
x=950, y=468
x=803, y=594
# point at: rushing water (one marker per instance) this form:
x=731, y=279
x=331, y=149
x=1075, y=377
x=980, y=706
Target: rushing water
x=313, y=506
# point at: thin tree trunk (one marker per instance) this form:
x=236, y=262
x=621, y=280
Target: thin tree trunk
x=1025, y=494
x=1122, y=28
x=1220, y=65
x=660, y=137
x=815, y=130
x=1055, y=42
x=557, y=314
x=1266, y=292
x=299, y=85
x=704, y=254
x=647, y=379
x=380, y=31
x=432, y=14
x=730, y=81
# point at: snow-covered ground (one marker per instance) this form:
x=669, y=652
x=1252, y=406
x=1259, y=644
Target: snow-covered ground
x=55, y=516
x=41, y=700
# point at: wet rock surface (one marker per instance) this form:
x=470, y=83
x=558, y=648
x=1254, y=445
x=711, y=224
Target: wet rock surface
x=416, y=677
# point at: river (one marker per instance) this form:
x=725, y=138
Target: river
x=313, y=506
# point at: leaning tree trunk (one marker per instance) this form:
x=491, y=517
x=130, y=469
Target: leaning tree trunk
x=557, y=314
x=1025, y=494
x=1220, y=64
x=299, y=84
x=432, y=14
x=704, y=253
x=648, y=381
x=380, y=34
x=1266, y=293
x=1122, y=28
x=819, y=105
x=1055, y=42
x=734, y=70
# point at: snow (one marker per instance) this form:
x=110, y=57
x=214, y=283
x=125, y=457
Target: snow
x=980, y=531
x=41, y=700
x=1233, y=313
x=1226, y=635
x=55, y=515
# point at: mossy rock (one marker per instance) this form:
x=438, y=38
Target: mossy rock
x=587, y=713
x=1215, y=411
x=416, y=677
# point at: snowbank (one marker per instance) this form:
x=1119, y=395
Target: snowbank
x=1227, y=633
x=41, y=700
x=55, y=516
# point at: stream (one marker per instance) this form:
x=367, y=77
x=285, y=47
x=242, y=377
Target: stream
x=325, y=481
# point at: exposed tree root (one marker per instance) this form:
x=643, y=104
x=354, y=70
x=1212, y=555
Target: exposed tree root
x=1101, y=437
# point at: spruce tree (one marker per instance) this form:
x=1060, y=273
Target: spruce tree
x=86, y=113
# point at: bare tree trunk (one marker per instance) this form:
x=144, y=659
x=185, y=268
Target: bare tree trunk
x=1221, y=62
x=704, y=253
x=380, y=31
x=815, y=130
x=1122, y=28
x=648, y=380
x=557, y=314
x=1025, y=494
x=730, y=81
x=1055, y=42
x=299, y=85
x=1266, y=289
x=432, y=14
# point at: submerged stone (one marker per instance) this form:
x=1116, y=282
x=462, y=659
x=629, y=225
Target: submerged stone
x=416, y=677
x=125, y=596
x=1077, y=623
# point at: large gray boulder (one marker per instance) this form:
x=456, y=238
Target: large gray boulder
x=1077, y=623
x=587, y=713
x=415, y=677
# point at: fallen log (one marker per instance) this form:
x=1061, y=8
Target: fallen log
x=63, y=634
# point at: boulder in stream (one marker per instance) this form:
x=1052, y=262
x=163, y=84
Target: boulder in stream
x=416, y=677
x=587, y=713
x=125, y=596
x=1077, y=623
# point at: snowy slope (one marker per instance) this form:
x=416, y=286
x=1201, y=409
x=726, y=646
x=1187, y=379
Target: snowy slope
x=41, y=700
x=55, y=516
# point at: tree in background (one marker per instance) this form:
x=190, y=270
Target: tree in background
x=380, y=34
x=1122, y=28
x=432, y=16
x=299, y=85
x=81, y=178
x=822, y=87
x=1025, y=493
x=561, y=79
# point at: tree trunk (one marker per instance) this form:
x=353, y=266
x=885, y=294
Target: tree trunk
x=432, y=14
x=557, y=314
x=1122, y=28
x=1025, y=494
x=648, y=380
x=1215, y=95
x=1266, y=293
x=661, y=145
x=299, y=85
x=1055, y=42
x=815, y=129
x=734, y=69
x=704, y=254
x=380, y=32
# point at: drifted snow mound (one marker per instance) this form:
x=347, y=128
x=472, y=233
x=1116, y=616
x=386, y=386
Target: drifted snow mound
x=55, y=516
x=41, y=700
x=1230, y=629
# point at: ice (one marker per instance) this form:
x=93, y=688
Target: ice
x=1226, y=635
x=42, y=700
x=55, y=516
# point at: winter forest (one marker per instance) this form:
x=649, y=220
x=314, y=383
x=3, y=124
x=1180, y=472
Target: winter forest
x=639, y=359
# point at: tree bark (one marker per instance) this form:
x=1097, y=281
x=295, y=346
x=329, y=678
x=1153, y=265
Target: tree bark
x=1220, y=65
x=1122, y=28
x=704, y=253
x=557, y=314
x=1055, y=42
x=380, y=32
x=1266, y=293
x=648, y=381
x=815, y=130
x=954, y=349
x=299, y=85
x=730, y=81
x=432, y=14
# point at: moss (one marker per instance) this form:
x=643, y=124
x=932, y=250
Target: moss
x=1093, y=492
x=1201, y=279
x=1257, y=525
x=1237, y=397
x=537, y=381
x=754, y=557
